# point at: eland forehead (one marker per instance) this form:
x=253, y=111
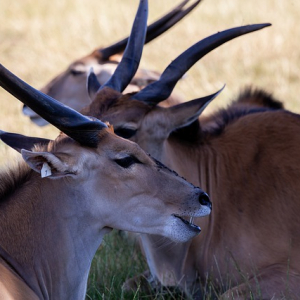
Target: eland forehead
x=112, y=107
x=109, y=143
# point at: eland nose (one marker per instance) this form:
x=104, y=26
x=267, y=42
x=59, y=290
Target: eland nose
x=204, y=200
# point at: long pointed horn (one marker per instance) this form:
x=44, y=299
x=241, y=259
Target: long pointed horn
x=81, y=128
x=128, y=66
x=153, y=30
x=161, y=89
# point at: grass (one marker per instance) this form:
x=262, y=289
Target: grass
x=117, y=260
x=40, y=38
x=120, y=259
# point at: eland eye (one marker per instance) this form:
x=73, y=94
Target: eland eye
x=125, y=133
x=78, y=69
x=75, y=72
x=127, y=161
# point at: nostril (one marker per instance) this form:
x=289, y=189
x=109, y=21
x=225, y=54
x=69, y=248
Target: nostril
x=204, y=200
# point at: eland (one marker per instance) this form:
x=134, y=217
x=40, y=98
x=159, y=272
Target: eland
x=57, y=205
x=247, y=158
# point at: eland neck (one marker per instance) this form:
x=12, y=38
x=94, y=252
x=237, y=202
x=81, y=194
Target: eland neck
x=197, y=165
x=45, y=233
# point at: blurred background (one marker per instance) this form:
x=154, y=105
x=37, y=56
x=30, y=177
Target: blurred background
x=39, y=39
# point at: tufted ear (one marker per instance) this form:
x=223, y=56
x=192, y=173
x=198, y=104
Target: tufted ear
x=48, y=164
x=18, y=141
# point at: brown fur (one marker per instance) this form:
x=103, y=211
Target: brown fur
x=247, y=157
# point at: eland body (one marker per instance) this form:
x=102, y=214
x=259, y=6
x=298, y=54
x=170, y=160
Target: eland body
x=247, y=157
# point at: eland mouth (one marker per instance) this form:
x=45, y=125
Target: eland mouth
x=189, y=223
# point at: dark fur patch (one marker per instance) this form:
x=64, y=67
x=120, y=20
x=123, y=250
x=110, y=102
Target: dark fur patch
x=250, y=101
x=228, y=116
x=13, y=178
x=258, y=98
x=188, y=133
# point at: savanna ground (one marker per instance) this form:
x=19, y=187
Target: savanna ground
x=38, y=39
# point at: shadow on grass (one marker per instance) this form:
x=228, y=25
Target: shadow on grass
x=118, y=259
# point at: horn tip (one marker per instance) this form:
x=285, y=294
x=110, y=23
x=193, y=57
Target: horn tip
x=263, y=25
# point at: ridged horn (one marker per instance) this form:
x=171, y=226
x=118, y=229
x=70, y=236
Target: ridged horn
x=162, y=88
x=81, y=128
x=153, y=30
x=128, y=66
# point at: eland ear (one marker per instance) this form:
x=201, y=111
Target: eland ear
x=186, y=113
x=92, y=84
x=47, y=164
x=18, y=141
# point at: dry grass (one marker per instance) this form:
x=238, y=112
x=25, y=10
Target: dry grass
x=40, y=38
